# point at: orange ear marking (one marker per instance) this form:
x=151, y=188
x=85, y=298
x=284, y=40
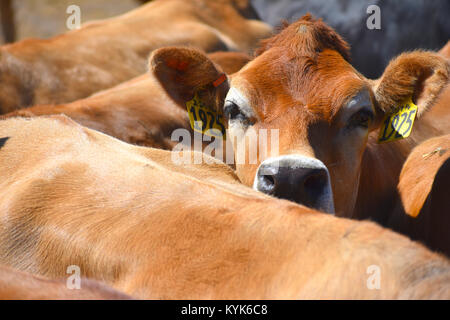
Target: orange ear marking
x=178, y=65
x=220, y=80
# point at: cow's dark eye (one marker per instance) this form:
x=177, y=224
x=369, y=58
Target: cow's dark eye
x=361, y=119
x=232, y=112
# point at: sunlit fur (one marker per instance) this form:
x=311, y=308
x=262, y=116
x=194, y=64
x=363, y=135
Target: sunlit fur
x=104, y=53
x=138, y=111
x=422, y=211
x=129, y=217
x=17, y=285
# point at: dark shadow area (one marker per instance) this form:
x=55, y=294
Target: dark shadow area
x=3, y=141
x=7, y=21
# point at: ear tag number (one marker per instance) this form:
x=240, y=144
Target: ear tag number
x=204, y=119
x=398, y=125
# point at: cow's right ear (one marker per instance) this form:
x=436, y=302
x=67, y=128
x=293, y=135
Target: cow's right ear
x=183, y=72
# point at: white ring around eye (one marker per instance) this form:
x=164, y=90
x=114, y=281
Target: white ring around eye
x=235, y=96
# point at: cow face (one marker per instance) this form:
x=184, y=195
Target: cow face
x=323, y=114
x=302, y=85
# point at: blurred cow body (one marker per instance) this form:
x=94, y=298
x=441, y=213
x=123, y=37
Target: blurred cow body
x=17, y=285
x=7, y=25
x=130, y=217
x=104, y=53
x=405, y=25
x=138, y=111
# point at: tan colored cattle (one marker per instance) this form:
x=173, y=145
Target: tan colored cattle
x=138, y=111
x=104, y=53
x=16, y=285
x=424, y=184
x=327, y=114
x=129, y=217
x=439, y=114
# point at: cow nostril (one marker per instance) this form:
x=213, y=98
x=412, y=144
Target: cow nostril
x=315, y=183
x=267, y=183
x=268, y=179
x=296, y=178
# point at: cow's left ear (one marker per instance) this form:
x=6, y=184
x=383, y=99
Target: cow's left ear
x=183, y=72
x=417, y=75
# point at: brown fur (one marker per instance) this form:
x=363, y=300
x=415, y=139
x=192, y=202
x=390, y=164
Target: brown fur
x=17, y=285
x=315, y=37
x=378, y=197
x=423, y=189
x=418, y=75
x=138, y=111
x=419, y=171
x=302, y=92
x=130, y=217
x=439, y=113
x=300, y=84
x=105, y=53
x=230, y=62
x=7, y=22
x=445, y=51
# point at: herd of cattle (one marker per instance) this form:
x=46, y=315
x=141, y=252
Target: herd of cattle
x=87, y=176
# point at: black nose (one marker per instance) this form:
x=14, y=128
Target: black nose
x=309, y=186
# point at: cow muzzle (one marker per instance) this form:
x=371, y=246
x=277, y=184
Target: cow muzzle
x=297, y=178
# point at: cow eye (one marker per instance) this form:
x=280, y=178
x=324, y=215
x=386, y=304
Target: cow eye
x=361, y=119
x=233, y=112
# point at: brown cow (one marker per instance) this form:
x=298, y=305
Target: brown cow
x=104, y=53
x=17, y=285
x=327, y=114
x=423, y=212
x=138, y=111
x=130, y=217
x=440, y=112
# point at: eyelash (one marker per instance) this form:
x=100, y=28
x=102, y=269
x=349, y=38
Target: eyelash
x=360, y=119
x=233, y=112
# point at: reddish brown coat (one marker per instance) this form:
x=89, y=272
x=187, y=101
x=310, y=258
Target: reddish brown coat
x=129, y=216
x=104, y=53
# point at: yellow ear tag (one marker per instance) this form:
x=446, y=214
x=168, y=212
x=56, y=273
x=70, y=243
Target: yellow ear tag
x=204, y=119
x=398, y=124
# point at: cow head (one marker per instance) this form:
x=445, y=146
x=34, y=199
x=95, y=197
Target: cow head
x=301, y=83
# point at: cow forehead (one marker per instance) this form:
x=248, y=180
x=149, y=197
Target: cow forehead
x=275, y=83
